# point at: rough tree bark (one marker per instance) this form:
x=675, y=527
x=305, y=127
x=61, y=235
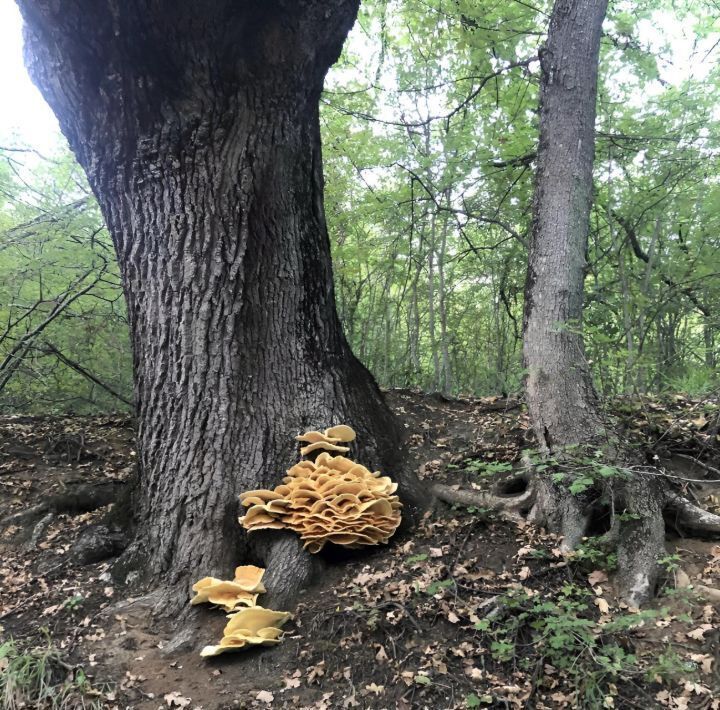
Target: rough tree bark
x=561, y=400
x=564, y=409
x=197, y=125
x=563, y=406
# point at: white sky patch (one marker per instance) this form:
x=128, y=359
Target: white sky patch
x=25, y=118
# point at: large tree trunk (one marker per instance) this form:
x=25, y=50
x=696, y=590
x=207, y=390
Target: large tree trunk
x=197, y=124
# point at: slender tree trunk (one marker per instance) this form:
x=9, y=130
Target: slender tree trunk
x=413, y=318
x=562, y=402
x=642, y=378
x=447, y=379
x=561, y=399
x=709, y=343
x=432, y=329
x=627, y=324
x=197, y=125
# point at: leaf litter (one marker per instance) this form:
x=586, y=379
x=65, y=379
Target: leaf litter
x=450, y=616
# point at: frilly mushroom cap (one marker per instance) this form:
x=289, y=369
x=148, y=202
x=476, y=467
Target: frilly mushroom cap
x=242, y=638
x=250, y=577
x=262, y=494
x=254, y=619
x=302, y=468
x=331, y=435
x=341, y=432
x=312, y=437
x=333, y=499
x=241, y=591
x=226, y=644
x=339, y=463
x=322, y=446
x=230, y=596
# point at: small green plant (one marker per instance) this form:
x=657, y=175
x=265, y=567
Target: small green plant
x=74, y=602
x=473, y=701
x=417, y=558
x=487, y=469
x=671, y=667
x=591, y=554
x=564, y=634
x=580, y=467
x=40, y=678
x=671, y=563
x=434, y=587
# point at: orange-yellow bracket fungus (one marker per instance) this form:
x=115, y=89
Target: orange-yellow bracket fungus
x=322, y=446
x=333, y=499
x=254, y=626
x=341, y=432
x=243, y=590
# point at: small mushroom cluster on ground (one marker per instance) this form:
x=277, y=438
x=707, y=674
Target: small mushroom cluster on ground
x=332, y=499
x=249, y=625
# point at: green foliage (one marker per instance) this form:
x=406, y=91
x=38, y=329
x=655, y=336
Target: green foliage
x=428, y=122
x=487, y=469
x=562, y=633
x=434, y=587
x=671, y=667
x=60, y=297
x=592, y=554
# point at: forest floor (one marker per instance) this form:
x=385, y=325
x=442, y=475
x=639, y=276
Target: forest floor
x=467, y=611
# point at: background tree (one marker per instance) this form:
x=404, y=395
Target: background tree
x=562, y=402
x=198, y=128
x=63, y=339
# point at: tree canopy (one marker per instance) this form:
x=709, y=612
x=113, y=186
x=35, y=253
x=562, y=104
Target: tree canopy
x=429, y=130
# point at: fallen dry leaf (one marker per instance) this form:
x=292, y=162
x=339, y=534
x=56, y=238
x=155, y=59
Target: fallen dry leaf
x=597, y=577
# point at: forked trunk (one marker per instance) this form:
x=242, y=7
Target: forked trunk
x=198, y=127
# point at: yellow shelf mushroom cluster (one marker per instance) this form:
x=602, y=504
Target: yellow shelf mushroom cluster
x=248, y=625
x=242, y=591
x=332, y=499
x=253, y=626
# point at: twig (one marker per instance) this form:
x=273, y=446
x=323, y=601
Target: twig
x=706, y=467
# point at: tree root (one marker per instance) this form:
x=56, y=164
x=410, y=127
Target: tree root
x=512, y=506
x=290, y=568
x=641, y=537
x=39, y=530
x=701, y=464
x=558, y=510
x=82, y=498
x=639, y=506
x=692, y=517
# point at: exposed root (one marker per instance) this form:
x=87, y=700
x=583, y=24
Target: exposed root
x=706, y=467
x=641, y=542
x=561, y=512
x=40, y=529
x=510, y=506
x=290, y=568
x=76, y=499
x=691, y=517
